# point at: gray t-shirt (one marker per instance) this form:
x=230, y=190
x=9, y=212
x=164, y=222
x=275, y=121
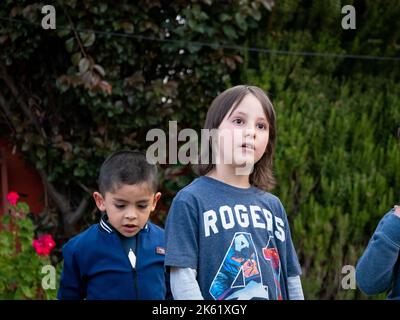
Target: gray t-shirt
x=237, y=239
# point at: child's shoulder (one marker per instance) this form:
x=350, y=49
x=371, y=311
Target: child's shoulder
x=270, y=197
x=272, y=200
x=155, y=229
x=84, y=238
x=192, y=190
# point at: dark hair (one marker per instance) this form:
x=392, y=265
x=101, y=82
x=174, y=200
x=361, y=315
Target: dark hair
x=262, y=175
x=126, y=167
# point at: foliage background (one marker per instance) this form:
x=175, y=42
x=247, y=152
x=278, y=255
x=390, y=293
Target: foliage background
x=68, y=98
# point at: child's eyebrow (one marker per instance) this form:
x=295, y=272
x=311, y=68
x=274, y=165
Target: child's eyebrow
x=238, y=113
x=120, y=200
x=137, y=201
x=143, y=201
x=241, y=113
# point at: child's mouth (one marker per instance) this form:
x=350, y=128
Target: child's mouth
x=248, y=146
x=130, y=227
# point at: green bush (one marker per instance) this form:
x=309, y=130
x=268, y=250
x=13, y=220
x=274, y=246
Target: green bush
x=337, y=159
x=26, y=269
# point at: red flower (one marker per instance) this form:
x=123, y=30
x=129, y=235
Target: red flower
x=44, y=244
x=12, y=198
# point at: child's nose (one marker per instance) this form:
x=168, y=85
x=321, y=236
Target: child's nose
x=131, y=214
x=250, y=131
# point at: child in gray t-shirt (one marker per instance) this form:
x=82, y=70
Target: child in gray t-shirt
x=226, y=236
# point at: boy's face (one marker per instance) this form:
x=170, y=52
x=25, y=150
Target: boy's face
x=128, y=207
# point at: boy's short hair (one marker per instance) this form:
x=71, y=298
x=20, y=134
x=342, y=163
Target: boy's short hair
x=126, y=167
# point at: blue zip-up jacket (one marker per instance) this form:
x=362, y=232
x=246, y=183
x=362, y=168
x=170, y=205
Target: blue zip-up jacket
x=97, y=267
x=378, y=270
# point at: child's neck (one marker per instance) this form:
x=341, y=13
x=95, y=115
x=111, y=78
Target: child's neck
x=227, y=175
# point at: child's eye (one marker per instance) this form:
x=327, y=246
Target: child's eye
x=262, y=126
x=142, y=206
x=120, y=206
x=238, y=121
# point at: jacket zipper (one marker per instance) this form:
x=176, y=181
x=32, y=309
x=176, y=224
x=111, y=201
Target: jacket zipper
x=134, y=270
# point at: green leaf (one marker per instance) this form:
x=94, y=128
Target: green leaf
x=99, y=69
x=79, y=172
x=69, y=44
x=128, y=27
x=240, y=20
x=88, y=39
x=63, y=32
x=193, y=48
x=224, y=17
x=23, y=206
x=27, y=291
x=76, y=57
x=84, y=64
x=229, y=32
x=41, y=153
x=256, y=14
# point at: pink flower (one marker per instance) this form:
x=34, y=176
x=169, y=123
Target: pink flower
x=44, y=244
x=12, y=198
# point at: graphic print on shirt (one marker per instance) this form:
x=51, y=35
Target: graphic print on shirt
x=239, y=274
x=271, y=254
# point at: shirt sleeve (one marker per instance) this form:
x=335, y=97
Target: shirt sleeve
x=295, y=289
x=292, y=261
x=71, y=285
x=181, y=231
x=184, y=285
x=374, y=271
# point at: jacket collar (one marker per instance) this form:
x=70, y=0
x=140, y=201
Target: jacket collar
x=107, y=227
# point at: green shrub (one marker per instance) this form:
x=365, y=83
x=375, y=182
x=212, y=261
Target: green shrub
x=26, y=269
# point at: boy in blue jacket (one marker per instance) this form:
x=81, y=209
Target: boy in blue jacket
x=121, y=257
x=379, y=267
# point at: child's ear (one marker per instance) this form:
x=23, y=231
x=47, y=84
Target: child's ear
x=157, y=197
x=98, y=198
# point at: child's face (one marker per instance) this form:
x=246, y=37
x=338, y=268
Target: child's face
x=128, y=207
x=244, y=133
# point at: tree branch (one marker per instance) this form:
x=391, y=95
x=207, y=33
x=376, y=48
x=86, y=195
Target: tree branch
x=60, y=201
x=4, y=106
x=19, y=98
x=75, y=33
x=73, y=217
x=70, y=217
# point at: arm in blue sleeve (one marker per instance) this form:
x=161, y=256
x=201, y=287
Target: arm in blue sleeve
x=71, y=284
x=374, y=271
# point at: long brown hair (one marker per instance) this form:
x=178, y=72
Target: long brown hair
x=262, y=176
